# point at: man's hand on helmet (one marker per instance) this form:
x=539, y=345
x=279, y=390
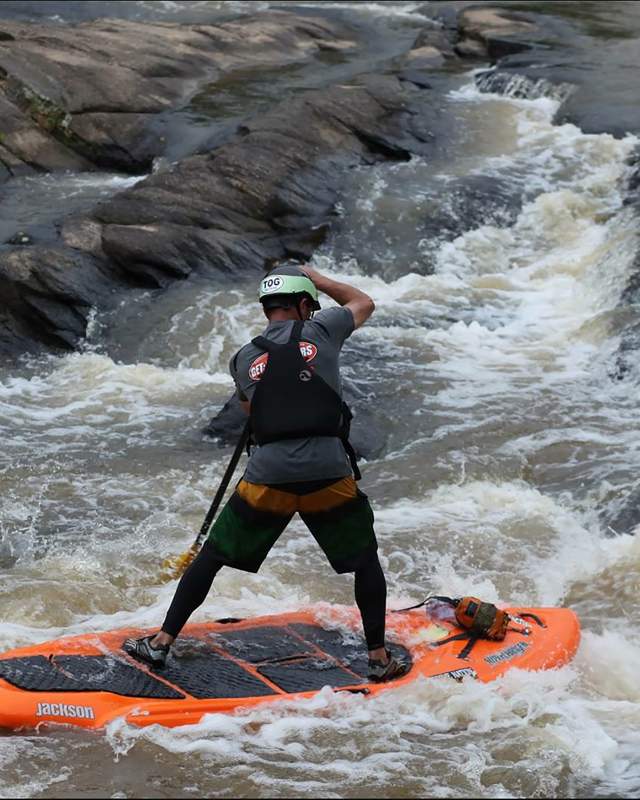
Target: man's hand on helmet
x=360, y=304
x=312, y=273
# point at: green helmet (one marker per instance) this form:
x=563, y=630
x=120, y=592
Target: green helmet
x=284, y=287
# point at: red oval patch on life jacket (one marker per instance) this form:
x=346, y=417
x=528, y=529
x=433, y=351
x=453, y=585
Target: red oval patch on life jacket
x=307, y=350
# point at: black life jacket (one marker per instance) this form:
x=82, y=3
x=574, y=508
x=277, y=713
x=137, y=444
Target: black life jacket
x=292, y=401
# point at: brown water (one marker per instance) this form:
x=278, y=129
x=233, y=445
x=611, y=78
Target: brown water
x=509, y=445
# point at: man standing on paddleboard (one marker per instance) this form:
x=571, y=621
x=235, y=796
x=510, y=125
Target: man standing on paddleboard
x=288, y=381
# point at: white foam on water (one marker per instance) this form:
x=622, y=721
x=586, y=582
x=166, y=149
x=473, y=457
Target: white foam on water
x=170, y=8
x=460, y=539
x=219, y=323
x=17, y=778
x=72, y=183
x=389, y=9
x=30, y=200
x=92, y=588
x=538, y=714
x=75, y=183
x=610, y=662
x=554, y=289
x=402, y=10
x=89, y=395
x=535, y=298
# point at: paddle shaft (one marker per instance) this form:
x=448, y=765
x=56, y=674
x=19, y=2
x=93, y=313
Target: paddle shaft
x=223, y=486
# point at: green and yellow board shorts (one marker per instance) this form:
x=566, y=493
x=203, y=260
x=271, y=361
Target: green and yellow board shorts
x=336, y=512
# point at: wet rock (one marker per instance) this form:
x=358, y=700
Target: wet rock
x=603, y=74
x=27, y=143
x=628, y=354
x=631, y=293
x=228, y=423
x=122, y=140
x=419, y=78
x=47, y=294
x=623, y=515
x=270, y=192
x=473, y=201
x=13, y=165
x=14, y=337
x=627, y=359
x=606, y=98
x=425, y=57
x=446, y=16
x=494, y=32
x=435, y=38
x=471, y=48
x=80, y=233
x=446, y=209
x=432, y=50
x=75, y=95
x=633, y=186
x=20, y=238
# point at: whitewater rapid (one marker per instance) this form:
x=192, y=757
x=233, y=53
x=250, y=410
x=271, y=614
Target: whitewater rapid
x=507, y=435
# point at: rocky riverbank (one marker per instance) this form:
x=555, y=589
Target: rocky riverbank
x=269, y=192
x=90, y=95
x=94, y=95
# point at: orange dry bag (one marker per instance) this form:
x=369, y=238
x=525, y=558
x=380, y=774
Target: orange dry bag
x=482, y=619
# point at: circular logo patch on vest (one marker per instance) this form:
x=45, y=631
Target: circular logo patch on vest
x=305, y=375
x=307, y=350
x=272, y=285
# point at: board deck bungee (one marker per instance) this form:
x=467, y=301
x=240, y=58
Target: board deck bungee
x=230, y=665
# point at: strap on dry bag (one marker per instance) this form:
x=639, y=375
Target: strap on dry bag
x=483, y=620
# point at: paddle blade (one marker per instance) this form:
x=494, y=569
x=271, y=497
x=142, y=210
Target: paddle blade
x=175, y=566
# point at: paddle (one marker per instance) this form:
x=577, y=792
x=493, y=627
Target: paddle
x=176, y=565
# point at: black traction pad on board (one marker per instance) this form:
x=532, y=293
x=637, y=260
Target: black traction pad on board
x=308, y=674
x=205, y=674
x=351, y=651
x=285, y=655
x=262, y=643
x=83, y=674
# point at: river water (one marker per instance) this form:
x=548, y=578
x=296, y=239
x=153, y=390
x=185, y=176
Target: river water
x=510, y=448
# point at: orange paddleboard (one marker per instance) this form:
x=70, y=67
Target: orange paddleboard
x=229, y=665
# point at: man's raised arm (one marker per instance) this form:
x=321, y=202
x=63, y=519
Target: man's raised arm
x=359, y=303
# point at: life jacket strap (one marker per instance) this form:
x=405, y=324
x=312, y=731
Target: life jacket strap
x=263, y=343
x=266, y=344
x=353, y=459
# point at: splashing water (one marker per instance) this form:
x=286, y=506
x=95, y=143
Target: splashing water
x=506, y=436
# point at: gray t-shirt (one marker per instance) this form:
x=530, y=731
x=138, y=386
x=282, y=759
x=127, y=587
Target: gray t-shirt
x=295, y=460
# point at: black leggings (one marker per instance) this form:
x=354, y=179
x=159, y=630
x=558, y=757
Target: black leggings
x=370, y=590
